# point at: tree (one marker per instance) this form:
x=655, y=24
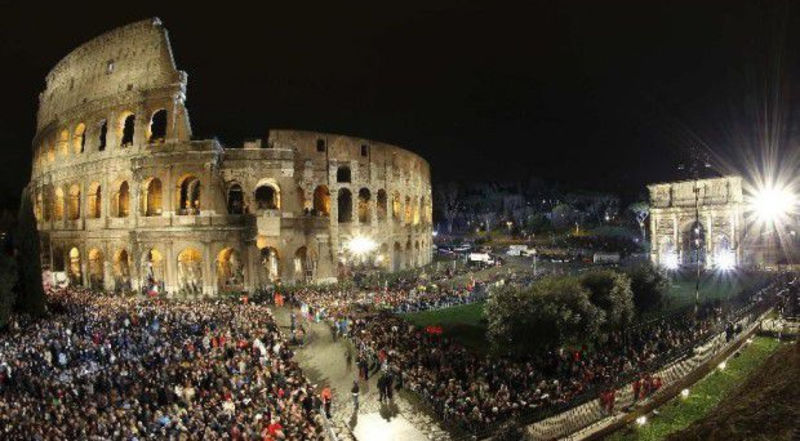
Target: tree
x=31, y=293
x=8, y=278
x=611, y=292
x=640, y=212
x=649, y=286
x=545, y=315
x=449, y=202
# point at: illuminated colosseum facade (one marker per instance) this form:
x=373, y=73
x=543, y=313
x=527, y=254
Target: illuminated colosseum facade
x=125, y=197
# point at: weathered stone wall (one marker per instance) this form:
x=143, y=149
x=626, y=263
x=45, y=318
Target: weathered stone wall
x=139, y=204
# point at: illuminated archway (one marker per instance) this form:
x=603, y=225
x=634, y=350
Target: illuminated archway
x=95, y=268
x=190, y=271
x=322, y=201
x=74, y=269
x=230, y=271
x=189, y=189
x=122, y=272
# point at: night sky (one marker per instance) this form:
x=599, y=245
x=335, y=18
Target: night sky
x=597, y=94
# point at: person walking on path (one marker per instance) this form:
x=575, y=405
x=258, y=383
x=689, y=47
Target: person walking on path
x=355, y=391
x=326, y=397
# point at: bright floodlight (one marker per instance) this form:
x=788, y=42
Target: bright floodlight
x=361, y=245
x=641, y=420
x=770, y=203
x=685, y=393
x=723, y=365
x=726, y=260
x=671, y=261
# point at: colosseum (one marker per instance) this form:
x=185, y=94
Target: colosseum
x=126, y=198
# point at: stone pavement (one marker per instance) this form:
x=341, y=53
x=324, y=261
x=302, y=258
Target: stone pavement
x=324, y=361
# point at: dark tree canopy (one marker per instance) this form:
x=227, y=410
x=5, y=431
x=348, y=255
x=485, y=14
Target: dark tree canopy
x=611, y=292
x=31, y=292
x=649, y=287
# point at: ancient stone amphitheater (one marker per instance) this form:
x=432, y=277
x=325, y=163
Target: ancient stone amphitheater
x=125, y=198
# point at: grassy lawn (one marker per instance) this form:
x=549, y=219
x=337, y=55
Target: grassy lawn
x=463, y=322
x=707, y=393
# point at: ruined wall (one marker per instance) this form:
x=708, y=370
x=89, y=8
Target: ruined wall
x=124, y=197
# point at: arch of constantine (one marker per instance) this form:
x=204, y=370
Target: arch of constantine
x=676, y=207
x=125, y=197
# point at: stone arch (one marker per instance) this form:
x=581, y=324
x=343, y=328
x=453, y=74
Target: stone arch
x=408, y=211
x=267, y=195
x=74, y=268
x=270, y=261
x=398, y=262
x=152, y=197
x=693, y=243
x=153, y=269
x=235, y=199
x=343, y=174
x=59, y=259
x=74, y=205
x=121, y=200
x=126, y=128
x=303, y=266
x=38, y=206
x=381, y=204
x=79, y=138
x=63, y=142
x=51, y=150
x=344, y=202
x=122, y=271
x=188, y=194
x=230, y=270
x=190, y=271
x=47, y=202
x=363, y=206
x=322, y=201
x=95, y=269
x=94, y=201
x=157, y=129
x=102, y=135
x=58, y=204
x=418, y=210
x=397, y=208
x=417, y=255
x=384, y=258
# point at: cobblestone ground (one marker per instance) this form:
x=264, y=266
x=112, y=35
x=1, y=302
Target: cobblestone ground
x=324, y=361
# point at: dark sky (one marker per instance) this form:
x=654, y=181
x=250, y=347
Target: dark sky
x=598, y=94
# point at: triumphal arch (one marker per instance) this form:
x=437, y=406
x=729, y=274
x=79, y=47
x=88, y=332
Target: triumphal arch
x=698, y=221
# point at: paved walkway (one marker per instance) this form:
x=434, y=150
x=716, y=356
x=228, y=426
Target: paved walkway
x=324, y=361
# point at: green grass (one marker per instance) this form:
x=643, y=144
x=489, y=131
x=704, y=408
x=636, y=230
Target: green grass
x=463, y=322
x=707, y=393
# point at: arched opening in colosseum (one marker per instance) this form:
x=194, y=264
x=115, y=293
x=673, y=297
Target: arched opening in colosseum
x=74, y=202
x=381, y=204
x=47, y=203
x=63, y=142
x=409, y=255
x=397, y=257
x=37, y=207
x=103, y=134
x=127, y=126
x=74, y=270
x=51, y=151
x=417, y=206
x=396, y=207
x=345, y=205
x=95, y=269
x=153, y=269
x=230, y=271
x=322, y=201
x=94, y=201
x=343, y=174
x=382, y=260
x=363, y=206
x=59, y=261
x=270, y=264
x=157, y=130
x=303, y=265
x=417, y=255
x=190, y=271
x=408, y=211
x=58, y=205
x=122, y=271
x=121, y=205
x=235, y=199
x=189, y=195
x=152, y=197
x=267, y=197
x=79, y=138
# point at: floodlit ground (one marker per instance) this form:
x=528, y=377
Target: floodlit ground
x=704, y=396
x=713, y=286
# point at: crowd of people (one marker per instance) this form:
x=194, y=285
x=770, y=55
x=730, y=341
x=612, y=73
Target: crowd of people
x=111, y=367
x=475, y=390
